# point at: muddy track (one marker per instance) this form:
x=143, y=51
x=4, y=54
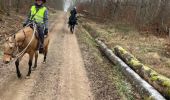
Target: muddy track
x=67, y=75
x=63, y=76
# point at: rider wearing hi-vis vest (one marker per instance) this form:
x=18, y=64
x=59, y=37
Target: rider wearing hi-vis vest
x=39, y=14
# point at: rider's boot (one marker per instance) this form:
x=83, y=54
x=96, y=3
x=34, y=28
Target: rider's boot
x=45, y=33
x=41, y=39
x=41, y=48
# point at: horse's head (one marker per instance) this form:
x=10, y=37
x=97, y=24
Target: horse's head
x=9, y=49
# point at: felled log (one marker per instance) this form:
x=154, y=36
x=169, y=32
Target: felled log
x=158, y=81
x=142, y=86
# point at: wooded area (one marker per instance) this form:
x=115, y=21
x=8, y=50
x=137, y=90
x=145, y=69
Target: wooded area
x=146, y=15
x=13, y=13
x=22, y=6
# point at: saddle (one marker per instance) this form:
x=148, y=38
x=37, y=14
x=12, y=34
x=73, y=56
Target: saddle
x=37, y=36
x=36, y=33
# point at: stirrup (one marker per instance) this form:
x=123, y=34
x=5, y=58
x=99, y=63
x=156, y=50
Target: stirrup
x=45, y=36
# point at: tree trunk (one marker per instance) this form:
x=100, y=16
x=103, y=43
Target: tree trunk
x=147, y=91
x=8, y=7
x=169, y=32
x=17, y=5
x=160, y=82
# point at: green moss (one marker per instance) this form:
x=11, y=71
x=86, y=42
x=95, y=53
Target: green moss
x=154, y=78
x=146, y=68
x=153, y=73
x=150, y=98
x=166, y=83
x=123, y=51
x=168, y=91
x=135, y=63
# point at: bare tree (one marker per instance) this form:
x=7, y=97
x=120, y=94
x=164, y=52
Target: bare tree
x=137, y=12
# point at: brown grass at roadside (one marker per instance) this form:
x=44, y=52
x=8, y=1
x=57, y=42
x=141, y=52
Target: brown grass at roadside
x=107, y=82
x=151, y=50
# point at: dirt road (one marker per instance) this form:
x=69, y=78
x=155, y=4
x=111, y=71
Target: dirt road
x=63, y=77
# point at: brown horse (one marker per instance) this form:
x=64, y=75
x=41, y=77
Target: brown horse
x=24, y=41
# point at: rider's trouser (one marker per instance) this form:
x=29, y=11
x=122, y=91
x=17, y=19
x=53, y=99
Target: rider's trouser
x=40, y=29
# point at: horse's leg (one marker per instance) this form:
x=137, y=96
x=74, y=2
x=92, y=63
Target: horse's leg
x=45, y=56
x=45, y=52
x=30, y=63
x=36, y=58
x=73, y=28
x=17, y=68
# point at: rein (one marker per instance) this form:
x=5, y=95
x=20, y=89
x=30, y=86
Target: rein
x=23, y=51
x=24, y=39
x=11, y=54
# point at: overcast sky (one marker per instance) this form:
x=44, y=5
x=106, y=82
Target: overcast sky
x=67, y=4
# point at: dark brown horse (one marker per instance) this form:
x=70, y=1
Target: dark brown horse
x=25, y=41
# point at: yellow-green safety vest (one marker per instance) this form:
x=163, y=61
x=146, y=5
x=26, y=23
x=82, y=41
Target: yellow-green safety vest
x=38, y=16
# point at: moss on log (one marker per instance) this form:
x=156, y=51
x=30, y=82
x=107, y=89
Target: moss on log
x=158, y=81
x=145, y=89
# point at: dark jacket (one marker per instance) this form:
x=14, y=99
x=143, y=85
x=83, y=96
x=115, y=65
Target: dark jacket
x=72, y=20
x=73, y=12
x=73, y=17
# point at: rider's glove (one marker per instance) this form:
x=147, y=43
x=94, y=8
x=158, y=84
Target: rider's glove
x=24, y=24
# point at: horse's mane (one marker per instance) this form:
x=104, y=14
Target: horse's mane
x=26, y=29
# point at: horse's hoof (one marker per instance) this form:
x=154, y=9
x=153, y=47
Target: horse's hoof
x=19, y=76
x=27, y=77
x=34, y=68
x=44, y=62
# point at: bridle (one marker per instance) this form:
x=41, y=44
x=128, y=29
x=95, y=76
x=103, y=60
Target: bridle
x=12, y=53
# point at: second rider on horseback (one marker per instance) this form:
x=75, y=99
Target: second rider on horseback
x=72, y=19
